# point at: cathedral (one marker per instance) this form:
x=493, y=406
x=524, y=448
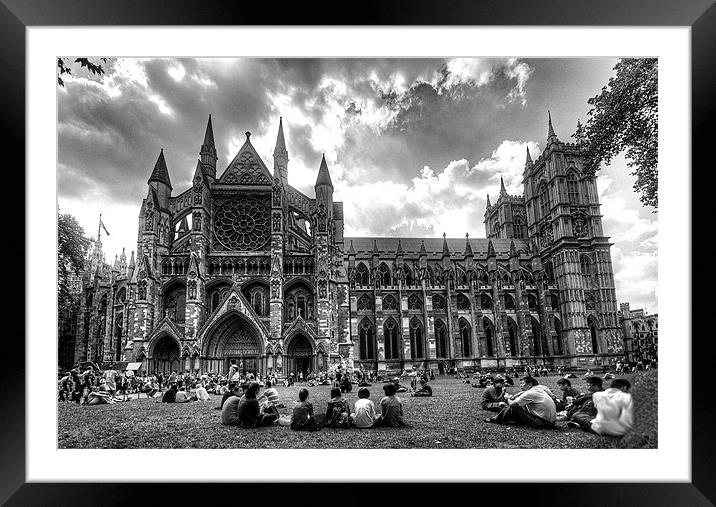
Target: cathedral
x=242, y=266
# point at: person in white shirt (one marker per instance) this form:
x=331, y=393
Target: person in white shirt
x=533, y=407
x=364, y=410
x=615, y=409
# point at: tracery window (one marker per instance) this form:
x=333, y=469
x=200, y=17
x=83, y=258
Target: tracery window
x=366, y=340
x=544, y=200
x=589, y=301
x=532, y=303
x=573, y=188
x=383, y=275
x=438, y=302
x=362, y=275
x=390, y=303
x=390, y=332
x=242, y=224
x=489, y=334
x=365, y=303
x=463, y=303
x=408, y=276
x=509, y=302
x=415, y=302
x=485, y=302
x=175, y=305
x=416, y=338
x=518, y=227
x=440, y=338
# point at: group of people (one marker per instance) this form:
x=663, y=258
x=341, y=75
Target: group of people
x=247, y=409
x=601, y=411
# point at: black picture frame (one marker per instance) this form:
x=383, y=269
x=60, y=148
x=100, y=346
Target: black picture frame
x=699, y=15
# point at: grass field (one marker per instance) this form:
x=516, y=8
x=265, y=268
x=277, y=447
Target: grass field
x=451, y=419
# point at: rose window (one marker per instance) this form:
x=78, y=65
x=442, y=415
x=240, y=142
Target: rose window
x=242, y=224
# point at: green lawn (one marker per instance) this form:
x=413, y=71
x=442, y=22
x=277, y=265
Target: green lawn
x=452, y=419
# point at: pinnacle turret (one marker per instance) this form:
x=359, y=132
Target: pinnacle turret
x=422, y=248
x=551, y=136
x=503, y=191
x=324, y=177
x=490, y=249
x=528, y=162
x=446, y=250
x=468, y=248
x=160, y=172
x=352, y=250
x=399, y=250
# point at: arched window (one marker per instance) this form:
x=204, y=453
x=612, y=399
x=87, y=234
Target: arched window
x=258, y=302
x=589, y=302
x=366, y=340
x=540, y=341
x=415, y=302
x=549, y=271
x=416, y=338
x=512, y=330
x=554, y=301
x=365, y=303
x=573, y=188
x=440, y=338
x=408, y=276
x=390, y=332
x=463, y=303
x=383, y=275
x=438, y=302
x=489, y=333
x=175, y=304
x=593, y=331
x=465, y=337
x=485, y=302
x=532, y=302
x=509, y=302
x=544, y=199
x=518, y=227
x=390, y=303
x=585, y=265
x=362, y=276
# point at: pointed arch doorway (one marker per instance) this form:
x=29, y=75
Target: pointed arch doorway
x=300, y=355
x=233, y=339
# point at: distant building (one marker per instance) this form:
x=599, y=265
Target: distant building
x=641, y=333
x=243, y=267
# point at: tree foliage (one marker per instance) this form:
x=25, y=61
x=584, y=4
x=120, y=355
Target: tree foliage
x=64, y=67
x=72, y=245
x=624, y=118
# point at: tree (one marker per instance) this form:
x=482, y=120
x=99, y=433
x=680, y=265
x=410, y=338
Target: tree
x=64, y=67
x=624, y=118
x=72, y=245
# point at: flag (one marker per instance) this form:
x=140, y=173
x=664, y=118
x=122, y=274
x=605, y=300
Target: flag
x=102, y=224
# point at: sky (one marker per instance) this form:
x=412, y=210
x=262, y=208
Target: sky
x=414, y=146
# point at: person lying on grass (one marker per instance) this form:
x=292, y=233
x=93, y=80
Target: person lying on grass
x=425, y=389
x=250, y=413
x=363, y=415
x=391, y=409
x=493, y=398
x=582, y=411
x=303, y=418
x=533, y=407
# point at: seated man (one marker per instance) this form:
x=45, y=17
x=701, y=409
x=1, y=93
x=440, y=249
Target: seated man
x=346, y=385
x=230, y=409
x=569, y=394
x=183, y=397
x=493, y=398
x=615, y=409
x=398, y=387
x=533, y=407
x=425, y=389
x=269, y=397
x=171, y=395
x=582, y=411
x=234, y=391
x=99, y=396
x=202, y=394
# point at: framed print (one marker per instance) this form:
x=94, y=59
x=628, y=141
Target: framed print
x=318, y=216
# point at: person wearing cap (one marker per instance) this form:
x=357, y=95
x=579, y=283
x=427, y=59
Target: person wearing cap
x=533, y=407
x=425, y=389
x=493, y=398
x=582, y=411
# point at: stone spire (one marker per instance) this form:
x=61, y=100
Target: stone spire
x=375, y=247
x=280, y=155
x=160, y=172
x=351, y=251
x=551, y=136
x=513, y=250
x=528, y=162
x=422, y=248
x=399, y=250
x=324, y=177
x=503, y=191
x=468, y=248
x=490, y=249
x=488, y=202
x=446, y=250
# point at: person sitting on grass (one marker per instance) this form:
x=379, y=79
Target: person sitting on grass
x=249, y=412
x=170, y=396
x=150, y=388
x=230, y=408
x=235, y=390
x=346, y=386
x=588, y=374
x=533, y=407
x=303, y=418
x=391, y=409
x=183, y=397
x=615, y=409
x=425, y=389
x=567, y=392
x=582, y=411
x=201, y=393
x=493, y=398
x=99, y=396
x=337, y=413
x=269, y=396
x=363, y=415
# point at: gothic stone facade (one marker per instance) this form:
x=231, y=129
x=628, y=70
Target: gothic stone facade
x=244, y=267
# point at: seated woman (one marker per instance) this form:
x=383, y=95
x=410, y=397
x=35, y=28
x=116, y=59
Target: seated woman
x=346, y=385
x=425, y=389
x=337, y=414
x=250, y=414
x=391, y=408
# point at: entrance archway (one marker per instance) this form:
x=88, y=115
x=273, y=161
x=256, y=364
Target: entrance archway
x=300, y=355
x=233, y=339
x=165, y=356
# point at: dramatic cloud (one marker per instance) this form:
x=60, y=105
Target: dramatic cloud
x=413, y=145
